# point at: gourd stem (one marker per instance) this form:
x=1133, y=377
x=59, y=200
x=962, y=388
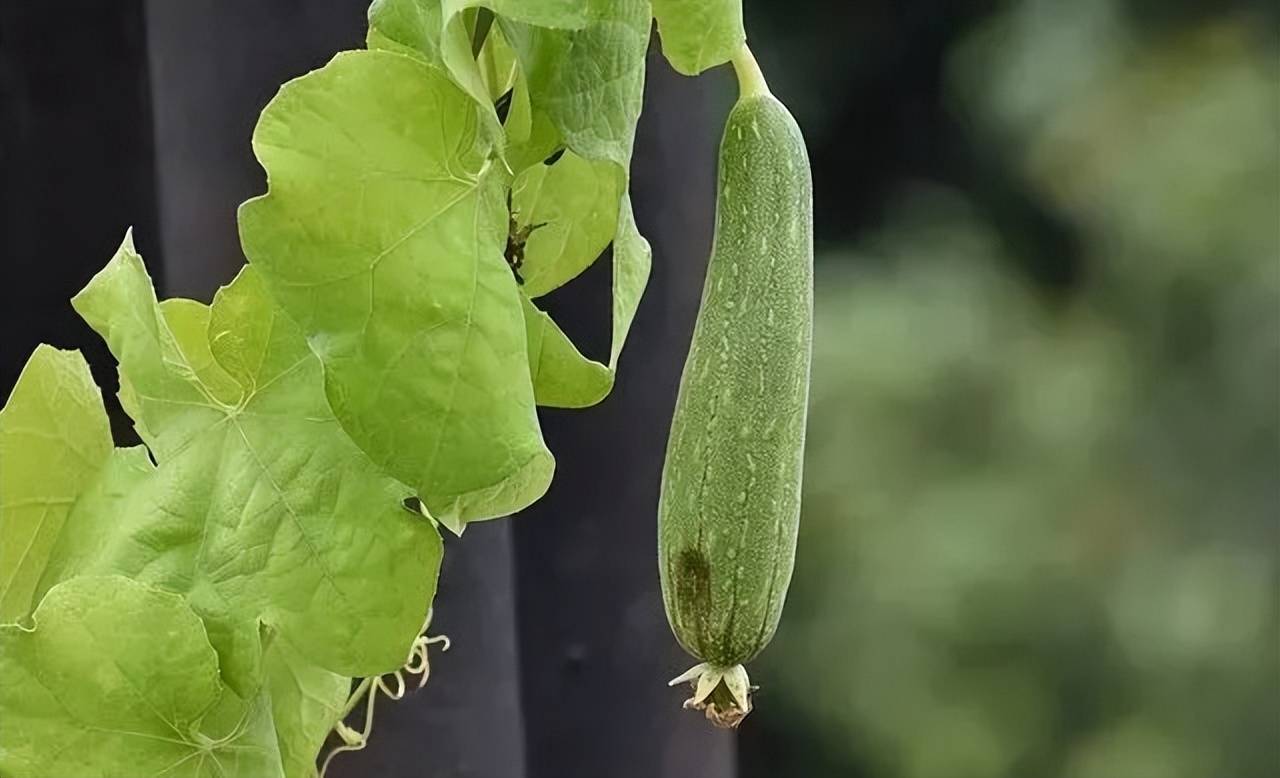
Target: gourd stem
x=751, y=81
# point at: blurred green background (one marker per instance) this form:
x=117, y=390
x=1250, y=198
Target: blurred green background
x=1042, y=503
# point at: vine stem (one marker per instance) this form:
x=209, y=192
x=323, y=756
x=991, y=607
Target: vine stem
x=418, y=663
x=751, y=81
x=354, y=699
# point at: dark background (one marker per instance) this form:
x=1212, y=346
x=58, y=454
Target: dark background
x=1042, y=493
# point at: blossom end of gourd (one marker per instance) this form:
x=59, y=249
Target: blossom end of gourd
x=723, y=694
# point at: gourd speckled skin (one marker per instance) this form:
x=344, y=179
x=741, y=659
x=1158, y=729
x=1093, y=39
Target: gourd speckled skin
x=730, y=503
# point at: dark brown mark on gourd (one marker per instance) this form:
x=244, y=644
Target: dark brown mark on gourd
x=693, y=589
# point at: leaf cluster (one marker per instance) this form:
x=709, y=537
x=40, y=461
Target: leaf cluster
x=199, y=604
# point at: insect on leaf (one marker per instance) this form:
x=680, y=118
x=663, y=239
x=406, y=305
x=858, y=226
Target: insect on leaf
x=589, y=83
x=576, y=203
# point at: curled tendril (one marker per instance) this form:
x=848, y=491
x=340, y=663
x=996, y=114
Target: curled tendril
x=418, y=663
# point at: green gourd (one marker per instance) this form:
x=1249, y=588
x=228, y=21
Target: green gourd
x=730, y=503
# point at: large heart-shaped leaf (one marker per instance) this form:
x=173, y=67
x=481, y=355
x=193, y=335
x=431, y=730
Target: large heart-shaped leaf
x=259, y=511
x=56, y=459
x=382, y=235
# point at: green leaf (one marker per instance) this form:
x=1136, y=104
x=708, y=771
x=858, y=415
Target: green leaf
x=498, y=65
x=415, y=26
x=589, y=83
x=632, y=259
x=54, y=438
x=306, y=702
x=576, y=203
x=410, y=27
x=98, y=510
x=259, y=511
x=581, y=86
x=382, y=235
x=699, y=34
x=456, y=38
x=565, y=14
x=188, y=320
x=442, y=32
x=117, y=678
x=562, y=376
x=531, y=137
